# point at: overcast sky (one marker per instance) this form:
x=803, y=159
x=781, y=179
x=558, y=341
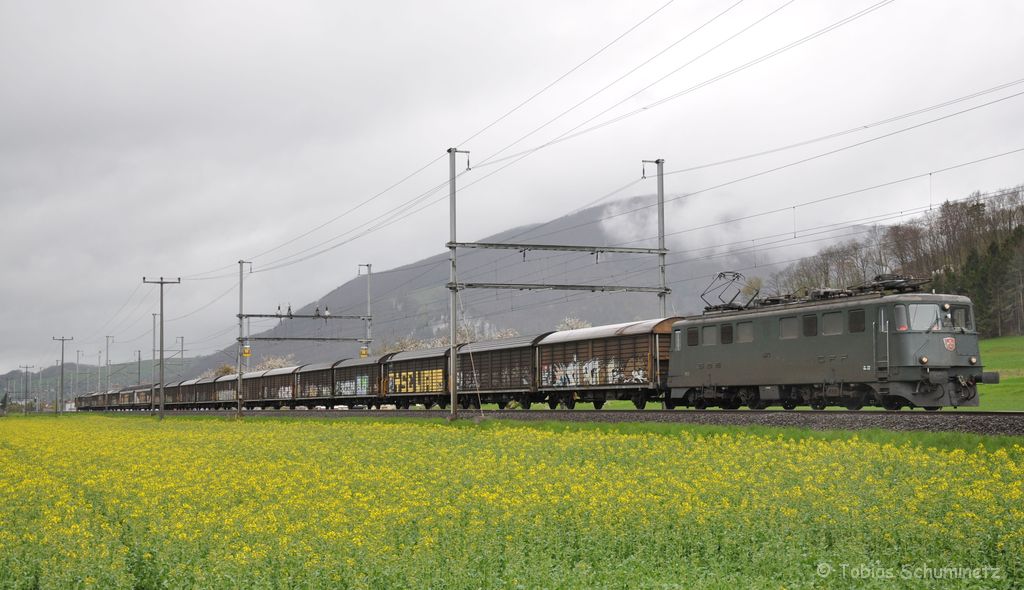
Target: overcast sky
x=174, y=138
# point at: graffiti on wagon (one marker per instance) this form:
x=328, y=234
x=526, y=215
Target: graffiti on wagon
x=595, y=371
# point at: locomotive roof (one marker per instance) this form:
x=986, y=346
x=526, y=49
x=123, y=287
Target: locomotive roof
x=832, y=303
x=658, y=325
x=503, y=344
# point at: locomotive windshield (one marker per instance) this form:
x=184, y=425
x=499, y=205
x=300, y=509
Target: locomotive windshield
x=922, y=317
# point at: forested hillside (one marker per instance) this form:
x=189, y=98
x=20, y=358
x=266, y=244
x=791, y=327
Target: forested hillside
x=973, y=246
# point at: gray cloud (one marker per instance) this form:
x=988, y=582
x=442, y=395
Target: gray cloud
x=148, y=138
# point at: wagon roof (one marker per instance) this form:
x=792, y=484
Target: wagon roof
x=316, y=367
x=425, y=353
x=658, y=325
x=357, y=362
x=234, y=376
x=280, y=371
x=187, y=382
x=504, y=344
x=203, y=380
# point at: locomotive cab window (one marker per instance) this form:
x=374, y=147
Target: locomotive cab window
x=725, y=334
x=832, y=323
x=918, y=317
x=961, y=316
x=692, y=337
x=810, y=325
x=710, y=335
x=677, y=339
x=856, y=320
x=745, y=332
x=789, y=328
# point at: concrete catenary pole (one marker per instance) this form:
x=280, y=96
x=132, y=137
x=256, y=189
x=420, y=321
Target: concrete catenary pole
x=78, y=362
x=60, y=395
x=24, y=401
x=453, y=288
x=162, y=282
x=661, y=236
x=152, y=369
x=369, y=314
x=109, y=338
x=241, y=336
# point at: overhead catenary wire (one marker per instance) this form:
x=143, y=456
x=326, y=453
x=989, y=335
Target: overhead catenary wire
x=474, y=135
x=292, y=259
x=577, y=132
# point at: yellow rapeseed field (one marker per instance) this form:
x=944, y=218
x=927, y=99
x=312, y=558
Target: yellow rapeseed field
x=112, y=502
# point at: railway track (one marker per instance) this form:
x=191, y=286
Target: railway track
x=990, y=423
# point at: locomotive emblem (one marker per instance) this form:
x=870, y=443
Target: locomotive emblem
x=950, y=343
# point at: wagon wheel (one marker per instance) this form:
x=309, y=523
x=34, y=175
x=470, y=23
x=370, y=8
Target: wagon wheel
x=598, y=404
x=427, y=404
x=474, y=402
x=443, y=404
x=553, y=403
x=639, y=401
x=525, y=403
x=502, y=404
x=464, y=402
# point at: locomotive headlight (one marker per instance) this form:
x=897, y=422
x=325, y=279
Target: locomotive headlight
x=973, y=360
x=945, y=306
x=924, y=360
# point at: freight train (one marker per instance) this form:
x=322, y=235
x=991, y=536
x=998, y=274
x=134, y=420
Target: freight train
x=885, y=344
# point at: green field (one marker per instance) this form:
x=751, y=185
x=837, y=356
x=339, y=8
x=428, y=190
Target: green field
x=1005, y=355
x=90, y=501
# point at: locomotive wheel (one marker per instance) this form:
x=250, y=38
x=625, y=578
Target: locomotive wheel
x=818, y=404
x=700, y=404
x=598, y=404
x=932, y=408
x=553, y=403
x=891, y=404
x=788, y=404
x=669, y=403
x=730, y=404
x=854, y=406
